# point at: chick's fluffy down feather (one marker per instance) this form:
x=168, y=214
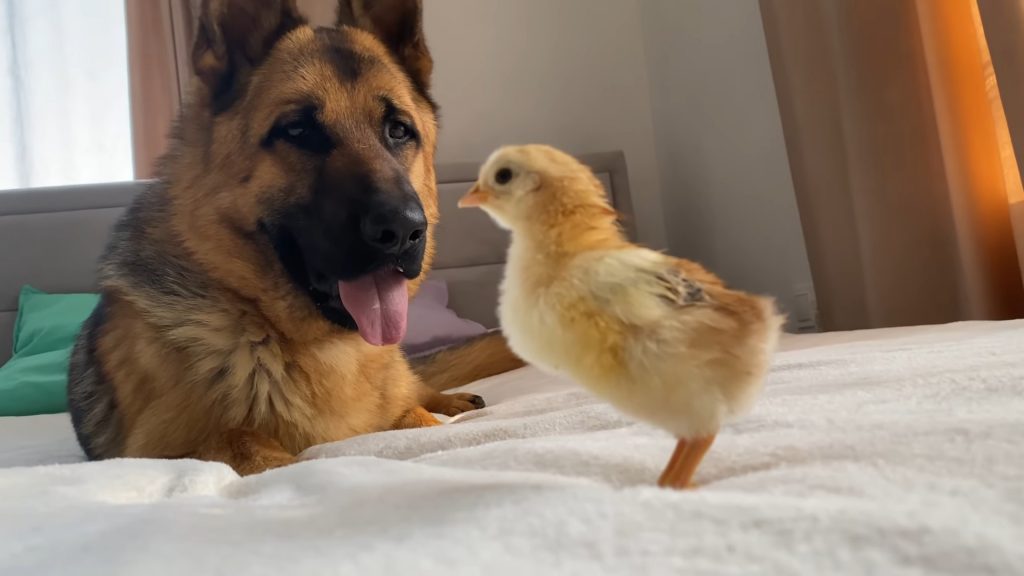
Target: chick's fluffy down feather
x=660, y=338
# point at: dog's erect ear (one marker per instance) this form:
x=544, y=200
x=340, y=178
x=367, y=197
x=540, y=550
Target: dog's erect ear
x=234, y=36
x=399, y=25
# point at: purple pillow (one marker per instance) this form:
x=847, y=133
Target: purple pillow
x=432, y=325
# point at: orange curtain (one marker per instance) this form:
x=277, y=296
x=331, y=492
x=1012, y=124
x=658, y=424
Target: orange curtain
x=159, y=37
x=1003, y=25
x=898, y=148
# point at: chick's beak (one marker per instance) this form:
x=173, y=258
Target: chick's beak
x=475, y=197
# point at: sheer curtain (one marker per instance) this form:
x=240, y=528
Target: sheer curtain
x=64, y=98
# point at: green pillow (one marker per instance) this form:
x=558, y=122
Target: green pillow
x=34, y=380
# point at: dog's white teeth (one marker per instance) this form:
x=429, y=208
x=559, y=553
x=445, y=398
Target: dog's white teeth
x=400, y=269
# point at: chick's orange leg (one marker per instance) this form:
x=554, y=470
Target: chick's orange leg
x=684, y=462
x=673, y=462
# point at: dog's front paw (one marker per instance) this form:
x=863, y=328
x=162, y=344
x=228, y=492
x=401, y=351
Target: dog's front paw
x=454, y=404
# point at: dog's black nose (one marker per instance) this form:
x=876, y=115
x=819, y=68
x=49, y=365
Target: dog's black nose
x=394, y=228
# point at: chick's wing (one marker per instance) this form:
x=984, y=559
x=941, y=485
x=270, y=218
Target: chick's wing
x=640, y=286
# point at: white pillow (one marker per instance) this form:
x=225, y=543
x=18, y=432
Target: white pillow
x=432, y=325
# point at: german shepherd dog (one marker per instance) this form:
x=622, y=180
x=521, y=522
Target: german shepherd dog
x=253, y=296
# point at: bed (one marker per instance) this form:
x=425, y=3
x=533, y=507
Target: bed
x=891, y=451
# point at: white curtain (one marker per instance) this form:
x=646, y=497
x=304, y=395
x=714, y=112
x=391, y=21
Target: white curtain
x=64, y=98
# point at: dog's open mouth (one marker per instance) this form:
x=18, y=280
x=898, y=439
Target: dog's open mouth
x=379, y=304
x=374, y=302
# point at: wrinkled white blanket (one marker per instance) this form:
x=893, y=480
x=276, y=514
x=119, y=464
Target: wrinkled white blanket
x=899, y=454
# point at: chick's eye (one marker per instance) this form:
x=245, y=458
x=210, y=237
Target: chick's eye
x=503, y=175
x=398, y=131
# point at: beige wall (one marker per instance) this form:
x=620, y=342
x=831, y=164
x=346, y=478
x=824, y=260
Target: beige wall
x=726, y=187
x=569, y=73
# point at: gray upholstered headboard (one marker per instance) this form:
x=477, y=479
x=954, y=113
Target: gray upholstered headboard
x=51, y=238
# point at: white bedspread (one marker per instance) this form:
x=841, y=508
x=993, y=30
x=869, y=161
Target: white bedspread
x=896, y=452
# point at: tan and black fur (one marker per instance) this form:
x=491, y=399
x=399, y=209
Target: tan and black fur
x=209, y=341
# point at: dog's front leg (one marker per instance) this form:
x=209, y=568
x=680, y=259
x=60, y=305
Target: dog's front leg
x=449, y=404
x=417, y=417
x=247, y=451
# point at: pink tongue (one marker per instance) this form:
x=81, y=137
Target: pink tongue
x=379, y=303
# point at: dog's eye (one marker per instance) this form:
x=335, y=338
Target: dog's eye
x=306, y=133
x=303, y=132
x=503, y=175
x=398, y=132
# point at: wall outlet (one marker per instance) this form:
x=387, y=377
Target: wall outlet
x=804, y=312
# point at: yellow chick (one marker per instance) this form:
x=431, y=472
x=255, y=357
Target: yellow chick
x=660, y=338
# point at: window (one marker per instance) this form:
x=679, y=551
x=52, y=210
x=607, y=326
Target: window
x=64, y=96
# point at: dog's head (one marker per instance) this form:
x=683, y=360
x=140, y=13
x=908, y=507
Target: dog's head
x=318, y=149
